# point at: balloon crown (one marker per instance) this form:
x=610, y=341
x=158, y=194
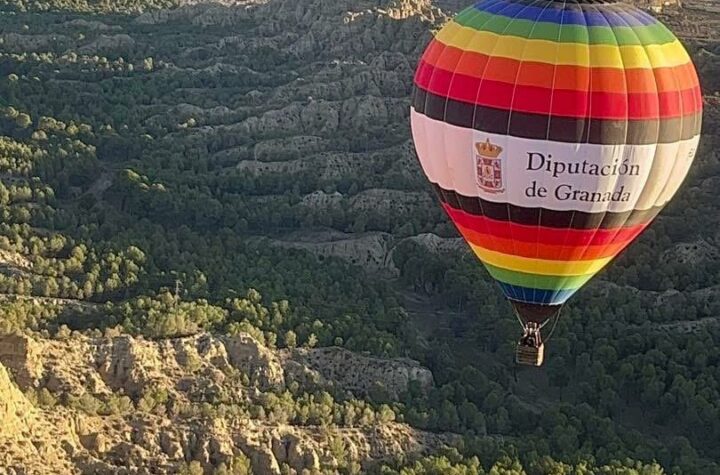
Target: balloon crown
x=488, y=149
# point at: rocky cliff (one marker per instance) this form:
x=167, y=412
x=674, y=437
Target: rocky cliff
x=14, y=408
x=32, y=440
x=98, y=404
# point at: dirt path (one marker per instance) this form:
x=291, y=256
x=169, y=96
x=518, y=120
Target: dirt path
x=49, y=300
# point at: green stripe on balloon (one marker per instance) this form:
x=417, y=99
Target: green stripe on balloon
x=596, y=35
x=537, y=281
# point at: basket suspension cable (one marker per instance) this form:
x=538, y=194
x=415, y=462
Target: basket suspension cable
x=552, y=330
x=523, y=323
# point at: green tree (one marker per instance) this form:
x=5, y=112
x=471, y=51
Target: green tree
x=290, y=339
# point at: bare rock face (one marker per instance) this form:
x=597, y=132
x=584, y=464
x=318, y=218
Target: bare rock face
x=692, y=253
x=369, y=250
x=296, y=453
x=126, y=363
x=326, y=165
x=360, y=374
x=96, y=442
x=255, y=360
x=170, y=445
x=321, y=200
x=21, y=355
x=15, y=410
x=392, y=202
x=262, y=458
x=437, y=244
x=14, y=262
x=91, y=25
x=293, y=119
x=32, y=442
x=308, y=14
x=657, y=6
x=373, y=251
x=108, y=43
x=27, y=43
x=191, y=369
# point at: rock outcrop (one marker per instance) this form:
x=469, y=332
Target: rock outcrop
x=33, y=441
x=361, y=374
x=372, y=251
x=15, y=410
x=33, y=43
x=117, y=44
x=47, y=434
x=103, y=366
x=692, y=253
x=21, y=355
x=367, y=250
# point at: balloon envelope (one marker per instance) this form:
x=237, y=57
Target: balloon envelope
x=554, y=132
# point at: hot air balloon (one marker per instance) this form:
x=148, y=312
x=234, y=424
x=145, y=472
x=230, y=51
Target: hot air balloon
x=553, y=133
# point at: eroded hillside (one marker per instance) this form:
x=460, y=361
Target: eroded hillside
x=99, y=405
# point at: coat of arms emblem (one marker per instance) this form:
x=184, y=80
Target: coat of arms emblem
x=488, y=167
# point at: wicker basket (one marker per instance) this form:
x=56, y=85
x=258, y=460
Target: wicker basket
x=529, y=355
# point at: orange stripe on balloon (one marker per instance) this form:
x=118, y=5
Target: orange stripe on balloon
x=529, y=73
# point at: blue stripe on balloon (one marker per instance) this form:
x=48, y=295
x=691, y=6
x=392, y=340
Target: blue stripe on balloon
x=599, y=15
x=536, y=296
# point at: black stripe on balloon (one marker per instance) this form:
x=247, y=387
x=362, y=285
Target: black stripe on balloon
x=532, y=312
x=544, y=217
x=555, y=128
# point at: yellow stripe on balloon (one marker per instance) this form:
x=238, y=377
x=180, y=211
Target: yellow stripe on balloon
x=540, y=266
x=574, y=54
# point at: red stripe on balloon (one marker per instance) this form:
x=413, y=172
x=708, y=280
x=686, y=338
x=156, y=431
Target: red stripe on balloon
x=545, y=235
x=558, y=102
x=539, y=250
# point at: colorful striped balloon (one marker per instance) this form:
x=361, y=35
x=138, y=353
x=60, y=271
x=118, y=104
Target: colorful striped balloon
x=554, y=132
